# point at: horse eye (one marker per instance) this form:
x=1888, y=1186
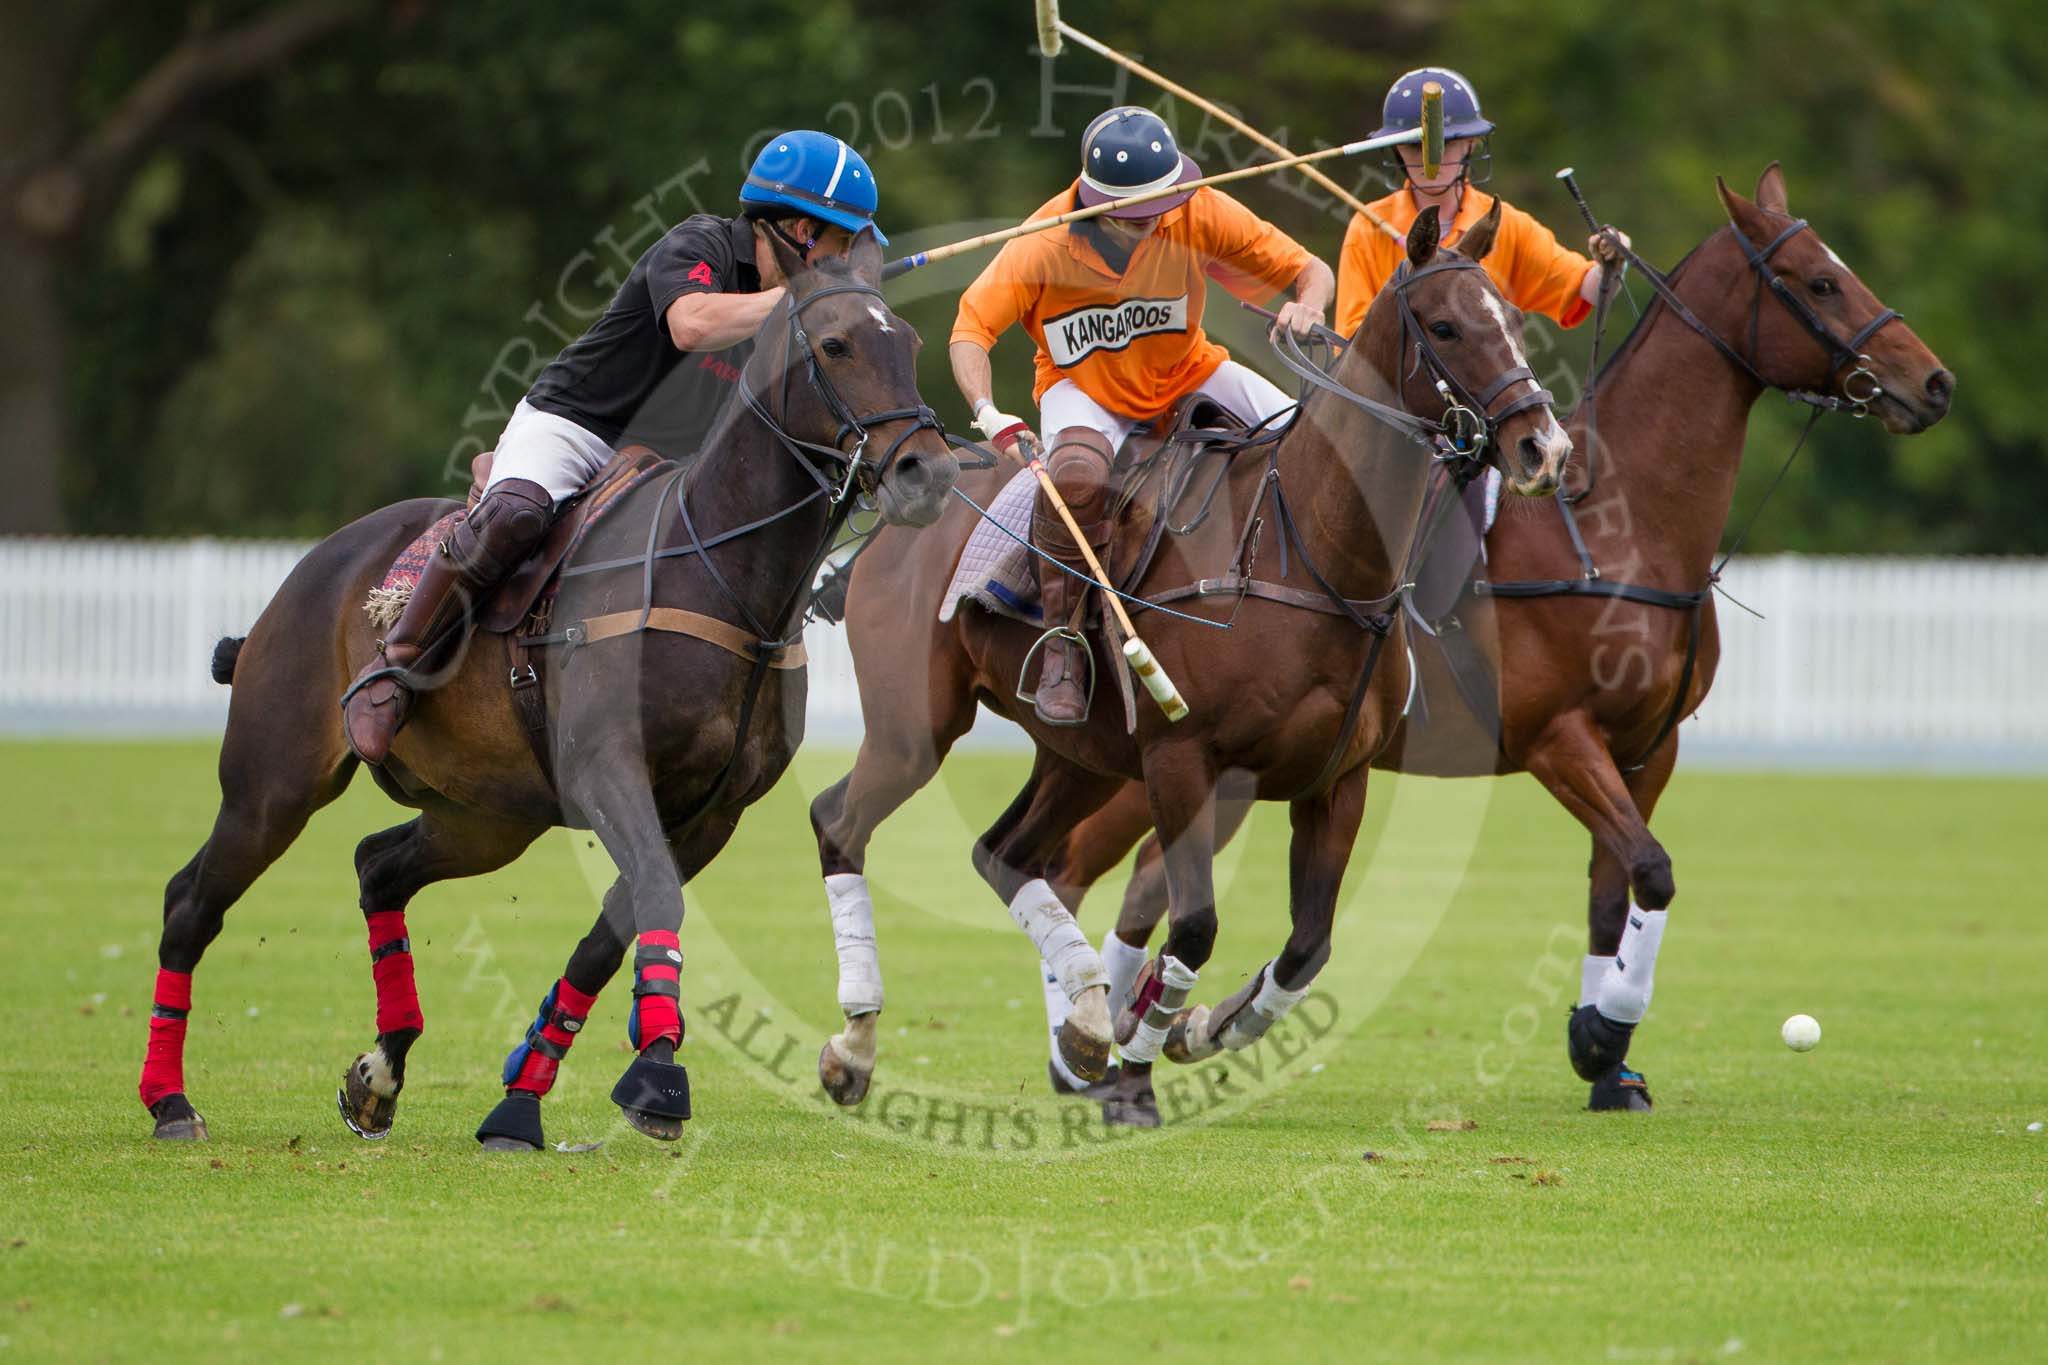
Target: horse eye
x=1444, y=331
x=833, y=347
x=1821, y=285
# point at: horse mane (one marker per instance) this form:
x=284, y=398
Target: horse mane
x=1649, y=314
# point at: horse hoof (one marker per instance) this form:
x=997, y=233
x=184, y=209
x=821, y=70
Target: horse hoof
x=1187, y=1037
x=1595, y=1043
x=177, y=1120
x=514, y=1126
x=1130, y=1102
x=1621, y=1090
x=367, y=1113
x=654, y=1097
x=844, y=1082
x=1084, y=1038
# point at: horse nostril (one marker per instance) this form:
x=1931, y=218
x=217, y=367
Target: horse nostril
x=1532, y=455
x=1940, y=385
x=912, y=469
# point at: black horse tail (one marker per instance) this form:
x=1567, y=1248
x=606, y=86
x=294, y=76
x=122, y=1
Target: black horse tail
x=224, y=655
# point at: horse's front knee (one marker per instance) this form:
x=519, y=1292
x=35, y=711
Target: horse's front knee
x=1649, y=873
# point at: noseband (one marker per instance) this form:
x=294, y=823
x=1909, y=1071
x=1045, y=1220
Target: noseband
x=859, y=470
x=1470, y=419
x=1465, y=433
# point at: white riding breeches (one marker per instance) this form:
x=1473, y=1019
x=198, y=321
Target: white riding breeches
x=549, y=450
x=1243, y=391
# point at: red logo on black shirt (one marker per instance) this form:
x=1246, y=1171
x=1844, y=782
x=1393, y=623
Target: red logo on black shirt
x=700, y=273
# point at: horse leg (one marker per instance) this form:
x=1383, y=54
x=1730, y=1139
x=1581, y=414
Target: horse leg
x=1013, y=857
x=392, y=867
x=1572, y=761
x=274, y=774
x=610, y=787
x=1325, y=828
x=532, y=1065
x=896, y=759
x=1607, y=907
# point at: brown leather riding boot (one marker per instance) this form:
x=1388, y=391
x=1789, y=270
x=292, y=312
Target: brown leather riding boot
x=1062, y=696
x=479, y=554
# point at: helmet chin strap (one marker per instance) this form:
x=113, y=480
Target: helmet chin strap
x=802, y=249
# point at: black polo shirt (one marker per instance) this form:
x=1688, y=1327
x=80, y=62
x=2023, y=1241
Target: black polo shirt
x=624, y=379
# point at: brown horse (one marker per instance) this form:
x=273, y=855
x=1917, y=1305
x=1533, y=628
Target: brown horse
x=659, y=740
x=1592, y=682
x=1287, y=704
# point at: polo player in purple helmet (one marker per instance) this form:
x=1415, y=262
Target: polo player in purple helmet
x=704, y=289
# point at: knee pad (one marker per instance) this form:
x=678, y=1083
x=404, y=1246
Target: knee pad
x=502, y=531
x=1079, y=463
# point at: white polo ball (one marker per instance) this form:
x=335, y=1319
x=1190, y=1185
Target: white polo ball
x=1801, y=1032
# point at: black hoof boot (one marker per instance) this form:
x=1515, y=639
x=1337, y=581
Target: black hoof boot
x=1621, y=1089
x=514, y=1126
x=177, y=1120
x=655, y=1097
x=1596, y=1043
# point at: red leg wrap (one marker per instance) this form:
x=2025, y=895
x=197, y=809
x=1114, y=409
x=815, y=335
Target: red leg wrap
x=398, y=1003
x=163, y=1066
x=657, y=1012
x=559, y=1027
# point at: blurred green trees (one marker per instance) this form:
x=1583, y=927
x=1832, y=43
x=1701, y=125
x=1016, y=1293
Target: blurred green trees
x=323, y=290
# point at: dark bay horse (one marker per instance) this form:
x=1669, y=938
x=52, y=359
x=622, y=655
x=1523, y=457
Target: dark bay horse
x=1591, y=687
x=1287, y=704
x=660, y=740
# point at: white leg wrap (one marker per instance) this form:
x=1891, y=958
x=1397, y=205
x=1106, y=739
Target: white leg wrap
x=1268, y=1006
x=1124, y=963
x=1059, y=940
x=1625, y=990
x=1177, y=980
x=853, y=929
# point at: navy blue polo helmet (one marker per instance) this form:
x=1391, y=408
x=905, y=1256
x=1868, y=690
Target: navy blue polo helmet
x=1129, y=150
x=1402, y=108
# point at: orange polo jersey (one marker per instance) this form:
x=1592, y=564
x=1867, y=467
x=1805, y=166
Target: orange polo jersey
x=1534, y=271
x=1132, y=342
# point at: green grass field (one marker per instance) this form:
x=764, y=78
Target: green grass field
x=1877, y=1199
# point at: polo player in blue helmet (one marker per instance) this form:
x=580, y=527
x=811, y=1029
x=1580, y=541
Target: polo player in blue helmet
x=704, y=288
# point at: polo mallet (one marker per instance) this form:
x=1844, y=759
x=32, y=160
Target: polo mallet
x=1430, y=135
x=1571, y=183
x=1135, y=649
x=1051, y=28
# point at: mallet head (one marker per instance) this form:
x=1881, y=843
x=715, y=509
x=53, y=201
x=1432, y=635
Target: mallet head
x=1432, y=129
x=1049, y=27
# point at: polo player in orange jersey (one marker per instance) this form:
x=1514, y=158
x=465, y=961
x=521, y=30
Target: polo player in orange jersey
x=1114, y=306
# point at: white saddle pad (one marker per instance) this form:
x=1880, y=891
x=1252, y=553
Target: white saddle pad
x=996, y=571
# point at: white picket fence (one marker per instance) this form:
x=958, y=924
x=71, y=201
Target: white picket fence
x=1859, y=660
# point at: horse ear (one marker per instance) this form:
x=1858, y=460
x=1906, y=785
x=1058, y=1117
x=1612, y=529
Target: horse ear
x=1746, y=217
x=1478, y=239
x=786, y=256
x=1422, y=238
x=1770, y=190
x=865, y=256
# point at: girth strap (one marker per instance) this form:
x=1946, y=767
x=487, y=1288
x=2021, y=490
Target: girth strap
x=677, y=621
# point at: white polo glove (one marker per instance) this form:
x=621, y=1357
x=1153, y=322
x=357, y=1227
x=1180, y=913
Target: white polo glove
x=999, y=428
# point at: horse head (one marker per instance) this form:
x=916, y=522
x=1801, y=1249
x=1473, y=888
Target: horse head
x=847, y=392
x=1462, y=340
x=1831, y=336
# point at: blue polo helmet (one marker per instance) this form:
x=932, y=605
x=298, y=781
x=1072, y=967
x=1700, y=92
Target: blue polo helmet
x=816, y=175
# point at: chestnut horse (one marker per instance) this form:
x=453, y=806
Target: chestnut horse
x=1288, y=703
x=660, y=739
x=1592, y=681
